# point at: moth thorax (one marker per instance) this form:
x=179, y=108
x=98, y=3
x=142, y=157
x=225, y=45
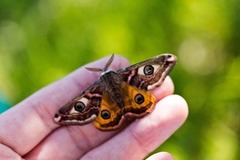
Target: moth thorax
x=110, y=79
x=107, y=71
x=111, y=84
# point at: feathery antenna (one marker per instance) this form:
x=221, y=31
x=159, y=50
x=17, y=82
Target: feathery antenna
x=102, y=69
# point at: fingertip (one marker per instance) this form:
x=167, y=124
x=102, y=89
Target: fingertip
x=167, y=88
x=161, y=156
x=173, y=109
x=182, y=103
x=176, y=103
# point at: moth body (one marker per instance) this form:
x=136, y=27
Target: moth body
x=111, y=85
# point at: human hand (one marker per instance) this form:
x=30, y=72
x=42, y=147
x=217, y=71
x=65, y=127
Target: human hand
x=28, y=131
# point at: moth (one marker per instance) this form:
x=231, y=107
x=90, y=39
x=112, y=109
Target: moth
x=118, y=96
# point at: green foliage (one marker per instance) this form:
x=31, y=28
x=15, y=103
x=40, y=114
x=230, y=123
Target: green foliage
x=42, y=41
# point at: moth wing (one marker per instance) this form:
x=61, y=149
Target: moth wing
x=83, y=109
x=148, y=74
x=110, y=114
x=138, y=102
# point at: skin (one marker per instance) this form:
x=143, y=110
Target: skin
x=27, y=130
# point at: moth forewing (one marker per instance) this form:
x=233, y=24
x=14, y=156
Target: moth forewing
x=82, y=109
x=163, y=70
x=150, y=73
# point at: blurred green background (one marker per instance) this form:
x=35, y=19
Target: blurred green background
x=42, y=41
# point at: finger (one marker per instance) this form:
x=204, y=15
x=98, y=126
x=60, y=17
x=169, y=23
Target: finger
x=167, y=88
x=146, y=134
x=80, y=139
x=8, y=153
x=161, y=156
x=30, y=121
